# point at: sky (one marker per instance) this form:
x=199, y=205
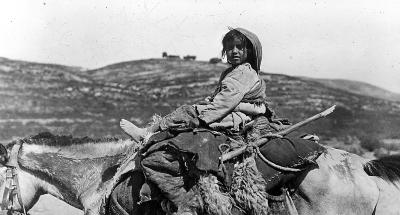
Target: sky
x=355, y=40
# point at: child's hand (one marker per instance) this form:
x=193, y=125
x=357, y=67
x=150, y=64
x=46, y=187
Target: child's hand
x=206, y=101
x=278, y=126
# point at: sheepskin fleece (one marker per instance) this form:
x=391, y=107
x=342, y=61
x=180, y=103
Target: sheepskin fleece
x=249, y=188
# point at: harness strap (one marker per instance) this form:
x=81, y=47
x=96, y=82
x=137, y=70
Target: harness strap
x=12, y=187
x=290, y=204
x=5, y=200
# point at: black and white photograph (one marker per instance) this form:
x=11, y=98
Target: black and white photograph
x=192, y=107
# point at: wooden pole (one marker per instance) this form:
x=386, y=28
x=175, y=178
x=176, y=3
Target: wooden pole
x=263, y=140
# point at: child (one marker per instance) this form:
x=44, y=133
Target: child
x=238, y=98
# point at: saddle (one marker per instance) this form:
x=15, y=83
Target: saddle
x=203, y=147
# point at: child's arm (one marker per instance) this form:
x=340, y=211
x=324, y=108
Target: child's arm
x=234, y=86
x=250, y=109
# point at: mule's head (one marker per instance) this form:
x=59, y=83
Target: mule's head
x=11, y=175
x=4, y=155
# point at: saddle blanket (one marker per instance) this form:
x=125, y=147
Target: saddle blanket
x=200, y=145
x=287, y=152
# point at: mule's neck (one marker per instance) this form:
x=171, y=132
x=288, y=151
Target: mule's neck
x=73, y=173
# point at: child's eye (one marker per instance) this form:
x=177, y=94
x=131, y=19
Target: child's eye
x=231, y=47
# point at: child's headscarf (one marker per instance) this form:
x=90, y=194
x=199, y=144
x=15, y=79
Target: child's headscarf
x=257, y=48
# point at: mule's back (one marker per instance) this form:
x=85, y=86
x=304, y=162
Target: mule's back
x=338, y=186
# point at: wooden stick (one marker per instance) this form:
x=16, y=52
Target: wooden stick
x=263, y=140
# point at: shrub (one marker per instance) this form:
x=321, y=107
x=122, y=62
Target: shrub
x=215, y=60
x=370, y=143
x=381, y=152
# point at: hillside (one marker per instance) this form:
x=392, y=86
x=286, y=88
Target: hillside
x=358, y=87
x=44, y=97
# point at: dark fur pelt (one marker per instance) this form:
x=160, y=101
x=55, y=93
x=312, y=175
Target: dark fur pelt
x=387, y=168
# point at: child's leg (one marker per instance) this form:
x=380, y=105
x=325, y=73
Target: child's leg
x=181, y=119
x=135, y=132
x=234, y=121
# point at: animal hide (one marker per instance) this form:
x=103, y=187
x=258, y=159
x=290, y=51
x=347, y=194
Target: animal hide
x=215, y=201
x=248, y=188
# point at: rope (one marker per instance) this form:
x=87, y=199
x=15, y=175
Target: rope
x=274, y=165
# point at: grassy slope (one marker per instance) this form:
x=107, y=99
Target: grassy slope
x=37, y=97
x=360, y=88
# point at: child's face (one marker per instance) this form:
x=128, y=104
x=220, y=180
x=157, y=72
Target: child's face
x=236, y=52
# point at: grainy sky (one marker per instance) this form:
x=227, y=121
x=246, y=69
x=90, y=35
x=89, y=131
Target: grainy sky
x=356, y=40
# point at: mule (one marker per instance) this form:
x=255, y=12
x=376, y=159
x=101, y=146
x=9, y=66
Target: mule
x=82, y=172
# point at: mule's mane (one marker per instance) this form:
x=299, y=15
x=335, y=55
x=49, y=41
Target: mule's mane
x=75, y=148
x=387, y=168
x=49, y=139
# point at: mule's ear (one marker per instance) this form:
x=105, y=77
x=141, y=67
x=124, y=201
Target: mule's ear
x=3, y=154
